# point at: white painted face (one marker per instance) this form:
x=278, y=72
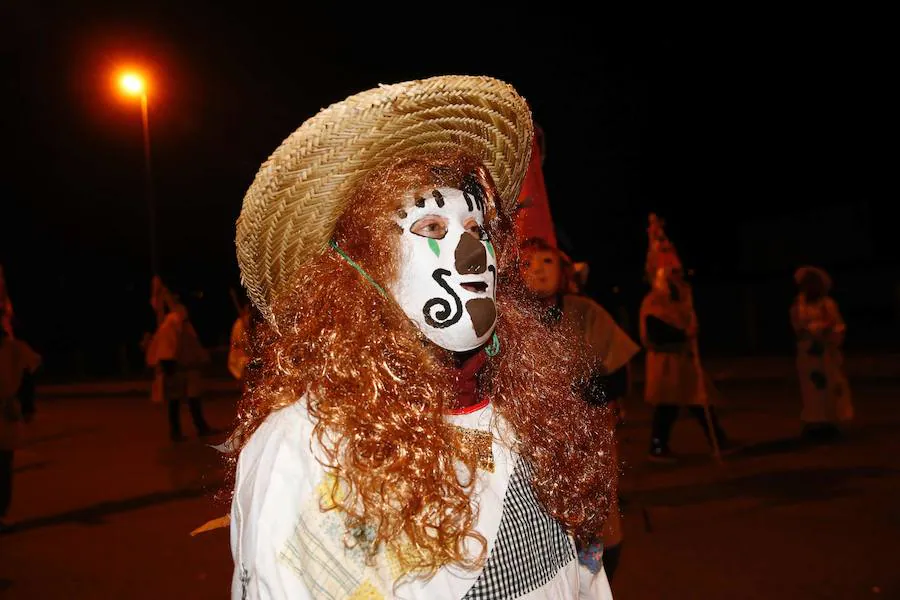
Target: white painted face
x=448, y=272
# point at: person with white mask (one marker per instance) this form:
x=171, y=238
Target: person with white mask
x=413, y=430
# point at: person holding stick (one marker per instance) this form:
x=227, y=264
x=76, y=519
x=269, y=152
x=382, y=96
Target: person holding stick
x=668, y=326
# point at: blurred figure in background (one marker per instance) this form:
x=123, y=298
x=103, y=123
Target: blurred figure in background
x=6, y=307
x=239, y=349
x=668, y=324
x=18, y=363
x=557, y=282
x=820, y=332
x=178, y=356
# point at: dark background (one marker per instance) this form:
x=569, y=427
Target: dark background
x=763, y=139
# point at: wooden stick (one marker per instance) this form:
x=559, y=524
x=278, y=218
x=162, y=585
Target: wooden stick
x=704, y=396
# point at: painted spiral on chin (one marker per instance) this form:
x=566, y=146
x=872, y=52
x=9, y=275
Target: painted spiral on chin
x=443, y=316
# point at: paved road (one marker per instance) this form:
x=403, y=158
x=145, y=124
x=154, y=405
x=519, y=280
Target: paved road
x=104, y=504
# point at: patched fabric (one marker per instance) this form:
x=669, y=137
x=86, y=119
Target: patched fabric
x=318, y=555
x=819, y=380
x=591, y=557
x=530, y=549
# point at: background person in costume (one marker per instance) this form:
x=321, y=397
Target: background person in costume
x=158, y=295
x=6, y=307
x=414, y=431
x=239, y=347
x=820, y=334
x=18, y=362
x=178, y=357
x=668, y=327
x=556, y=282
x=552, y=277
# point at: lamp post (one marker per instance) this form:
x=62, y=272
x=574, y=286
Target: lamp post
x=133, y=84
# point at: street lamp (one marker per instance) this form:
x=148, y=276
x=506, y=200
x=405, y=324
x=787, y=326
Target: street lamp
x=134, y=84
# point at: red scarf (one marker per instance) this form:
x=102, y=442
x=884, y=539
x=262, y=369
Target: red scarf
x=467, y=399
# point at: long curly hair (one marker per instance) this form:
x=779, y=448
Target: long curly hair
x=378, y=392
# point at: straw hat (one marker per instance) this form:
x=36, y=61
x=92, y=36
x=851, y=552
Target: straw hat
x=290, y=210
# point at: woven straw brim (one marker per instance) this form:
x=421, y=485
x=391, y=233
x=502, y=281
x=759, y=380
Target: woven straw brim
x=299, y=193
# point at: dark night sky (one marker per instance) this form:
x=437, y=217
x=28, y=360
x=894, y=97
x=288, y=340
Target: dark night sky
x=770, y=115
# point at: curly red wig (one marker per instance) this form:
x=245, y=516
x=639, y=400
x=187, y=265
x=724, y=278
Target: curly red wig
x=378, y=392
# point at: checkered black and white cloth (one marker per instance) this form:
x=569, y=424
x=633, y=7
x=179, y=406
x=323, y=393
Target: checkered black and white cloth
x=531, y=547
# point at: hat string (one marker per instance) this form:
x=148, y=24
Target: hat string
x=492, y=349
x=353, y=264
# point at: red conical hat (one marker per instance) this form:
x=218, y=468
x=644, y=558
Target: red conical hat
x=533, y=217
x=661, y=253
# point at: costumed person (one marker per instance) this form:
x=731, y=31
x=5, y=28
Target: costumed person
x=158, y=295
x=820, y=334
x=414, y=431
x=178, y=357
x=557, y=282
x=668, y=325
x=18, y=363
x=239, y=348
x=6, y=307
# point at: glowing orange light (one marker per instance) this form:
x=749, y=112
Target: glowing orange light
x=132, y=84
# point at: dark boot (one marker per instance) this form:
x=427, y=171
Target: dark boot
x=200, y=424
x=175, y=421
x=664, y=417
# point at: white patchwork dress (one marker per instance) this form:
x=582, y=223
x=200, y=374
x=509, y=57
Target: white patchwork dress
x=285, y=547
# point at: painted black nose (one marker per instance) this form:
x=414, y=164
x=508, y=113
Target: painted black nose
x=471, y=256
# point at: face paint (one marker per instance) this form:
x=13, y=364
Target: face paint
x=471, y=255
x=541, y=273
x=484, y=314
x=447, y=278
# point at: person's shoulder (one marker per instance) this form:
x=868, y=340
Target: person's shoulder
x=577, y=301
x=29, y=359
x=284, y=436
x=281, y=445
x=585, y=303
x=170, y=321
x=275, y=485
x=650, y=298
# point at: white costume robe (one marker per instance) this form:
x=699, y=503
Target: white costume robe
x=285, y=547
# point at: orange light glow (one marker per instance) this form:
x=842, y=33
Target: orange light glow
x=132, y=84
